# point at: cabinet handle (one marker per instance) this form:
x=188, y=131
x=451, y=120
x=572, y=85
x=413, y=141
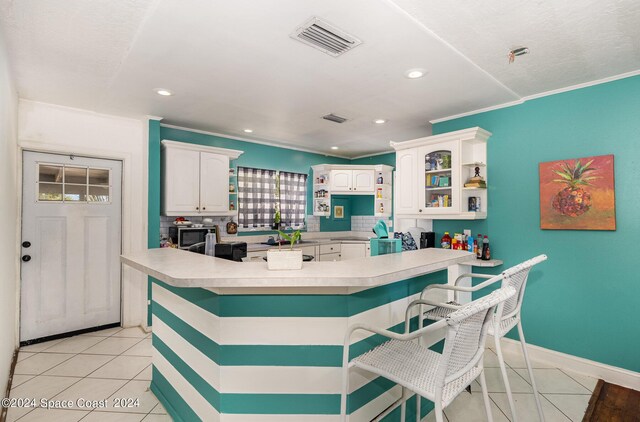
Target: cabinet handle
x=349, y=188
x=355, y=188
x=420, y=210
x=203, y=208
x=197, y=208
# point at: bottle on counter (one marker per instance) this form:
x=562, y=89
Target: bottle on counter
x=471, y=244
x=479, y=246
x=486, y=251
x=454, y=243
x=445, y=242
x=380, y=180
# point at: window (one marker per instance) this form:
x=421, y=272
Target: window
x=62, y=183
x=262, y=192
x=293, y=198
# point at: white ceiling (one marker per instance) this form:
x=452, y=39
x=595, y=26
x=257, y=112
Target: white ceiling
x=232, y=64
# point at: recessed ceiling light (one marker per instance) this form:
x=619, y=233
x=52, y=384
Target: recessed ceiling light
x=379, y=121
x=248, y=130
x=164, y=92
x=334, y=147
x=415, y=73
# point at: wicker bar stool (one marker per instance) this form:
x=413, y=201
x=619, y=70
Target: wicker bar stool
x=501, y=324
x=437, y=377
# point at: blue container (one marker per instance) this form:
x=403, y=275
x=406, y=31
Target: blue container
x=385, y=246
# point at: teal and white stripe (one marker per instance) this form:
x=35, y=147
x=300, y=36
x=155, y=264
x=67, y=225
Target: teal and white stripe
x=270, y=357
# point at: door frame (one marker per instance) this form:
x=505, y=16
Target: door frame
x=120, y=228
x=128, y=294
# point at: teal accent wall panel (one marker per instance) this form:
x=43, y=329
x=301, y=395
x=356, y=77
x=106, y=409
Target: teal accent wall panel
x=582, y=301
x=333, y=224
x=153, y=234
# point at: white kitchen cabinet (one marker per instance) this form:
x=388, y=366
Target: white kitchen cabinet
x=431, y=174
x=330, y=257
x=354, y=182
x=352, y=250
x=330, y=252
x=195, y=179
x=406, y=192
x=339, y=179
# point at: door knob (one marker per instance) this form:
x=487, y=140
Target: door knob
x=26, y=258
x=26, y=244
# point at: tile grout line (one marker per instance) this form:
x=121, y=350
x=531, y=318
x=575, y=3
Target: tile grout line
x=560, y=410
x=590, y=390
x=541, y=393
x=41, y=374
x=128, y=381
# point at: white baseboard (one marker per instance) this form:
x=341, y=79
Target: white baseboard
x=610, y=374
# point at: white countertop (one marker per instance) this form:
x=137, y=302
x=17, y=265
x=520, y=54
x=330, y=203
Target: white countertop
x=186, y=269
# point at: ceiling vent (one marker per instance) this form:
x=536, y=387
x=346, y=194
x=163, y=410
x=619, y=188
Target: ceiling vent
x=325, y=37
x=332, y=117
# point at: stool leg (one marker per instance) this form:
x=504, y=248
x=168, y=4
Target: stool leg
x=345, y=389
x=418, y=409
x=505, y=378
x=485, y=397
x=438, y=411
x=533, y=381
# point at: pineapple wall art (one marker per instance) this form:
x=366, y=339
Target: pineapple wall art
x=578, y=194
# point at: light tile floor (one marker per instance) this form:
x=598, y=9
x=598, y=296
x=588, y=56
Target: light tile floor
x=109, y=364
x=116, y=363
x=564, y=394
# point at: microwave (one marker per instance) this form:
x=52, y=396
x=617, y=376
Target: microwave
x=185, y=237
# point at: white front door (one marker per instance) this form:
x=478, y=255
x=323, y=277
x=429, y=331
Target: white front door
x=71, y=242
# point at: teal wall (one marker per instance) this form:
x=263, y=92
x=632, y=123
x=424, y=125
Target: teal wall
x=153, y=234
x=333, y=224
x=584, y=300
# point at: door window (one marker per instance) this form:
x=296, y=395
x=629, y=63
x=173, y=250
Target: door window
x=73, y=184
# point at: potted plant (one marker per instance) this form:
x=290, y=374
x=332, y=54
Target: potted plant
x=285, y=259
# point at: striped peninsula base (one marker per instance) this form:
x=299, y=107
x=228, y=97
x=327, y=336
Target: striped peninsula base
x=272, y=357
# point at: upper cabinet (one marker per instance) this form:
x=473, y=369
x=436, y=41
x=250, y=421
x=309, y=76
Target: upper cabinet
x=339, y=179
x=354, y=182
x=195, y=179
x=431, y=174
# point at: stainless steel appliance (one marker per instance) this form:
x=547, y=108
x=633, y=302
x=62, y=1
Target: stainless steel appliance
x=185, y=237
x=234, y=251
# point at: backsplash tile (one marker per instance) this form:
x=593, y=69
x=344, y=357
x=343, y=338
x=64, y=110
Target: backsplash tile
x=365, y=223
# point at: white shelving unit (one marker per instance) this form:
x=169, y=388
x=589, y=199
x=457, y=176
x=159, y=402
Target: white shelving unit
x=431, y=173
x=353, y=180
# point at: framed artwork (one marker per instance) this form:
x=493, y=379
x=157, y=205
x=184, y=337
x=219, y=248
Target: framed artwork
x=338, y=211
x=578, y=194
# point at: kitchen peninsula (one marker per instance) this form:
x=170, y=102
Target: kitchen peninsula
x=233, y=341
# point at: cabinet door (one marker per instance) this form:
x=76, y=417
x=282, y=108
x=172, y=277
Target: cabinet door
x=214, y=183
x=406, y=186
x=439, y=191
x=352, y=250
x=362, y=181
x=330, y=257
x=181, y=182
x=341, y=180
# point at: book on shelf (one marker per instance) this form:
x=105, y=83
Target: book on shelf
x=478, y=184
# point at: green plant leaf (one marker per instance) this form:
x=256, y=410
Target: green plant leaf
x=562, y=174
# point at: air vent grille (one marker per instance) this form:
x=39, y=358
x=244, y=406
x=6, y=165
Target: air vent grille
x=325, y=37
x=332, y=117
